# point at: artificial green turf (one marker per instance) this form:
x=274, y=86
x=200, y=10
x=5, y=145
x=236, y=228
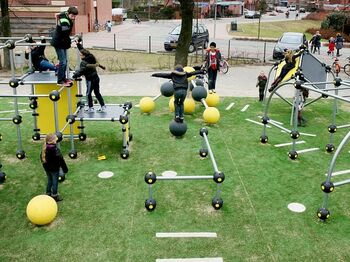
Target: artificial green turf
x=105, y=219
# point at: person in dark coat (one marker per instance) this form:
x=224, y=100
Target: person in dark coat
x=290, y=62
x=180, y=83
x=339, y=41
x=212, y=65
x=262, y=80
x=316, y=42
x=39, y=60
x=88, y=69
x=52, y=161
x=61, y=42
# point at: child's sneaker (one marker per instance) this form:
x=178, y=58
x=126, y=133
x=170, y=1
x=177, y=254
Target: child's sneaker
x=89, y=110
x=102, y=109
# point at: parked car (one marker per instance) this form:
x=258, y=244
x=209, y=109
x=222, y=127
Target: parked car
x=289, y=40
x=292, y=8
x=302, y=10
x=200, y=38
x=252, y=14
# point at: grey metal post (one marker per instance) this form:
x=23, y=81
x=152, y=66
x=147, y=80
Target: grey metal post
x=229, y=49
x=114, y=41
x=210, y=152
x=55, y=108
x=149, y=44
x=71, y=130
x=264, y=52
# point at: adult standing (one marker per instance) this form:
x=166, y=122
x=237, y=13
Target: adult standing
x=339, y=41
x=61, y=42
x=212, y=65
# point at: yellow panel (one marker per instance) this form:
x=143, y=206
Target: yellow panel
x=46, y=118
x=290, y=73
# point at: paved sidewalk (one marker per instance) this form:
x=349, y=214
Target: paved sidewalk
x=238, y=82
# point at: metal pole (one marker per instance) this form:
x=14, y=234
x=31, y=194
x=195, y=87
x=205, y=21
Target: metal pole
x=215, y=9
x=264, y=52
x=210, y=152
x=115, y=41
x=184, y=177
x=259, y=27
x=229, y=49
x=149, y=44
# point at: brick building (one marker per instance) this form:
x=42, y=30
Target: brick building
x=37, y=17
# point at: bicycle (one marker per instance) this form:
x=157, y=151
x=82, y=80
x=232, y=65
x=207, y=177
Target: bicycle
x=224, y=66
x=98, y=27
x=346, y=67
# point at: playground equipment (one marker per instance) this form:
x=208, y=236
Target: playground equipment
x=211, y=115
x=56, y=110
x=41, y=210
x=2, y=175
x=177, y=128
x=309, y=74
x=328, y=186
x=218, y=176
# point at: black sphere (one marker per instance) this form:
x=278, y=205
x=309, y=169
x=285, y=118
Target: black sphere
x=73, y=154
x=264, y=139
x=203, y=152
x=36, y=136
x=327, y=187
x=150, y=204
x=330, y=148
x=167, y=89
x=217, y=202
x=198, y=93
x=265, y=120
x=177, y=129
x=61, y=177
x=293, y=154
x=332, y=128
x=323, y=213
x=20, y=154
x=294, y=134
x=59, y=136
x=219, y=177
x=150, y=178
x=2, y=177
x=82, y=136
x=55, y=95
x=124, y=154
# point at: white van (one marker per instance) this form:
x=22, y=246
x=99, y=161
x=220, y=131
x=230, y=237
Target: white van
x=120, y=11
x=292, y=8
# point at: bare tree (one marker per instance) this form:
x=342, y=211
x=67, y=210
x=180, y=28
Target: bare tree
x=5, y=29
x=185, y=36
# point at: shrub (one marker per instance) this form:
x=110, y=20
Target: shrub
x=335, y=20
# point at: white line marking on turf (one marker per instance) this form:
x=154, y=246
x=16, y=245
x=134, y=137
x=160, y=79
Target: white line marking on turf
x=258, y=123
x=307, y=150
x=307, y=134
x=343, y=172
x=291, y=143
x=20, y=111
x=202, y=259
x=187, y=234
x=230, y=106
x=274, y=121
x=19, y=103
x=244, y=108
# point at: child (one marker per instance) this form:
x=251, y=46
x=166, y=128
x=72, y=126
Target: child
x=212, y=65
x=52, y=160
x=61, y=42
x=88, y=69
x=262, y=80
x=180, y=83
x=304, y=94
x=39, y=60
x=290, y=61
x=331, y=46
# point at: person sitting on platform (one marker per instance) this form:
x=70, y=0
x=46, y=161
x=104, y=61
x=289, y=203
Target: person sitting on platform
x=88, y=69
x=39, y=61
x=290, y=60
x=180, y=83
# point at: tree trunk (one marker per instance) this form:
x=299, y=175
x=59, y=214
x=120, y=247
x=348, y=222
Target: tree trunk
x=185, y=36
x=6, y=30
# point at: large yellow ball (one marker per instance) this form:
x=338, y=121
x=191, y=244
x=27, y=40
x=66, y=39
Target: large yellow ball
x=212, y=99
x=189, y=105
x=189, y=69
x=211, y=115
x=171, y=104
x=147, y=105
x=41, y=210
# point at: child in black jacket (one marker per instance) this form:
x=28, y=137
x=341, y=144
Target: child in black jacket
x=52, y=161
x=39, y=60
x=88, y=69
x=180, y=83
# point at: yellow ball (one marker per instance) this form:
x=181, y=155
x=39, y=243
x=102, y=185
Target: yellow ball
x=171, y=104
x=41, y=210
x=211, y=115
x=189, y=69
x=189, y=105
x=212, y=99
x=147, y=105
